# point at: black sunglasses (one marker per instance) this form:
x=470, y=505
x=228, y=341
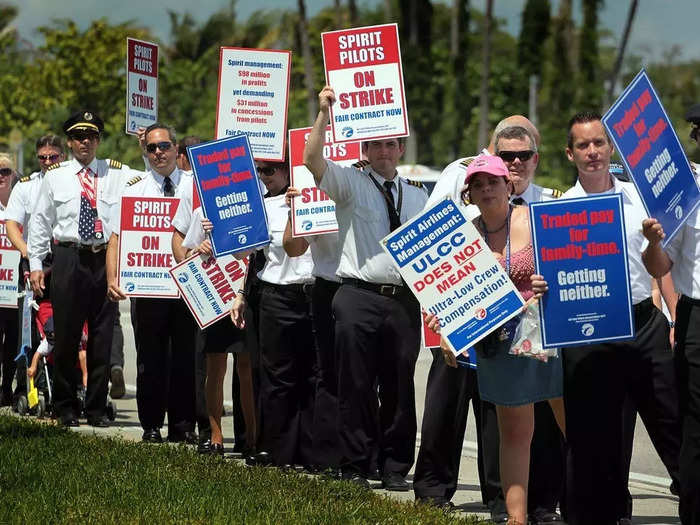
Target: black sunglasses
x=510, y=156
x=5, y=172
x=82, y=135
x=52, y=158
x=162, y=146
x=266, y=170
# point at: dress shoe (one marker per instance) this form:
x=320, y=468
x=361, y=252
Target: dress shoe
x=216, y=449
x=437, y=501
x=204, y=447
x=356, y=479
x=261, y=459
x=188, y=437
x=624, y=521
x=394, y=482
x=544, y=516
x=499, y=517
x=151, y=435
x=98, y=422
x=118, y=388
x=69, y=421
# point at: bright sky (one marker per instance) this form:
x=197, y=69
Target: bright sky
x=659, y=24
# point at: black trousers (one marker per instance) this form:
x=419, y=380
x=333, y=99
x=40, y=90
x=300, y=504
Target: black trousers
x=325, y=422
x=377, y=340
x=164, y=333
x=597, y=382
x=79, y=293
x=687, y=361
x=200, y=382
x=117, y=355
x=9, y=344
x=448, y=393
x=286, y=375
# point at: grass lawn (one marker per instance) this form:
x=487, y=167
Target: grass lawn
x=49, y=475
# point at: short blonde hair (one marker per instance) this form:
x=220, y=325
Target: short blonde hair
x=7, y=161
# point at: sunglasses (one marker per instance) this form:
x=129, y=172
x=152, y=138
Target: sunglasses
x=51, y=158
x=267, y=170
x=82, y=135
x=510, y=156
x=162, y=146
x=5, y=172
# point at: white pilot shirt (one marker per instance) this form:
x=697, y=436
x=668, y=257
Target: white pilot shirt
x=279, y=267
x=634, y=212
x=184, y=214
x=22, y=200
x=3, y=216
x=151, y=185
x=325, y=253
x=684, y=251
x=535, y=193
x=58, y=206
x=363, y=220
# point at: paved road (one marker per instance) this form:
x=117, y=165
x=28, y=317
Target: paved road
x=649, y=480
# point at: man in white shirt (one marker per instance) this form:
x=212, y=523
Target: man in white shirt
x=164, y=330
x=682, y=258
x=377, y=326
x=74, y=209
x=599, y=378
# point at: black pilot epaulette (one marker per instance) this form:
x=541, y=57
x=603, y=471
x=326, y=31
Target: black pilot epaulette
x=53, y=166
x=115, y=164
x=466, y=162
x=26, y=178
x=360, y=164
x=134, y=180
x=556, y=193
x=415, y=183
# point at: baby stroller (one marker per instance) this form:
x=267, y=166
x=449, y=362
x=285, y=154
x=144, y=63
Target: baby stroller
x=42, y=364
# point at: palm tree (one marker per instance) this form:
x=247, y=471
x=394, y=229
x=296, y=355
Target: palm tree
x=485, y=74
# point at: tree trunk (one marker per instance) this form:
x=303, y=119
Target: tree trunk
x=338, y=14
x=388, y=10
x=486, y=69
x=312, y=102
x=352, y=7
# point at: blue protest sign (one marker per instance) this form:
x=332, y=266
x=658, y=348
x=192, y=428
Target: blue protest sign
x=652, y=154
x=581, y=250
x=453, y=273
x=228, y=189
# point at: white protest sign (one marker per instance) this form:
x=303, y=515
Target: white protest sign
x=252, y=101
x=141, y=85
x=9, y=270
x=209, y=285
x=145, y=251
x=313, y=212
x=363, y=66
x=453, y=273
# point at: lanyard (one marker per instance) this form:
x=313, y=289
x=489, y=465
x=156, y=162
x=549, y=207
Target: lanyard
x=486, y=236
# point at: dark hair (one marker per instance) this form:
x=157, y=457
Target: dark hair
x=158, y=125
x=400, y=140
x=582, y=118
x=516, y=132
x=189, y=140
x=51, y=141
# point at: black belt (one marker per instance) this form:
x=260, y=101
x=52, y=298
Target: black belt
x=94, y=248
x=320, y=281
x=388, y=290
x=690, y=300
x=304, y=288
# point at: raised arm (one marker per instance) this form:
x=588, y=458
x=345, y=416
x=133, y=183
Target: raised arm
x=313, y=152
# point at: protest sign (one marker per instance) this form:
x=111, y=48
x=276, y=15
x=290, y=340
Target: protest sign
x=453, y=273
x=313, y=212
x=252, y=101
x=145, y=251
x=9, y=270
x=430, y=339
x=363, y=66
x=652, y=154
x=141, y=85
x=581, y=250
x=228, y=189
x=209, y=285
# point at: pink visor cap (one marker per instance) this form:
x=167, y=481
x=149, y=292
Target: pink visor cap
x=486, y=164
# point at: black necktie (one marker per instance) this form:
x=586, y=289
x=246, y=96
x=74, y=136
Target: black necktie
x=394, y=220
x=168, y=189
x=518, y=201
